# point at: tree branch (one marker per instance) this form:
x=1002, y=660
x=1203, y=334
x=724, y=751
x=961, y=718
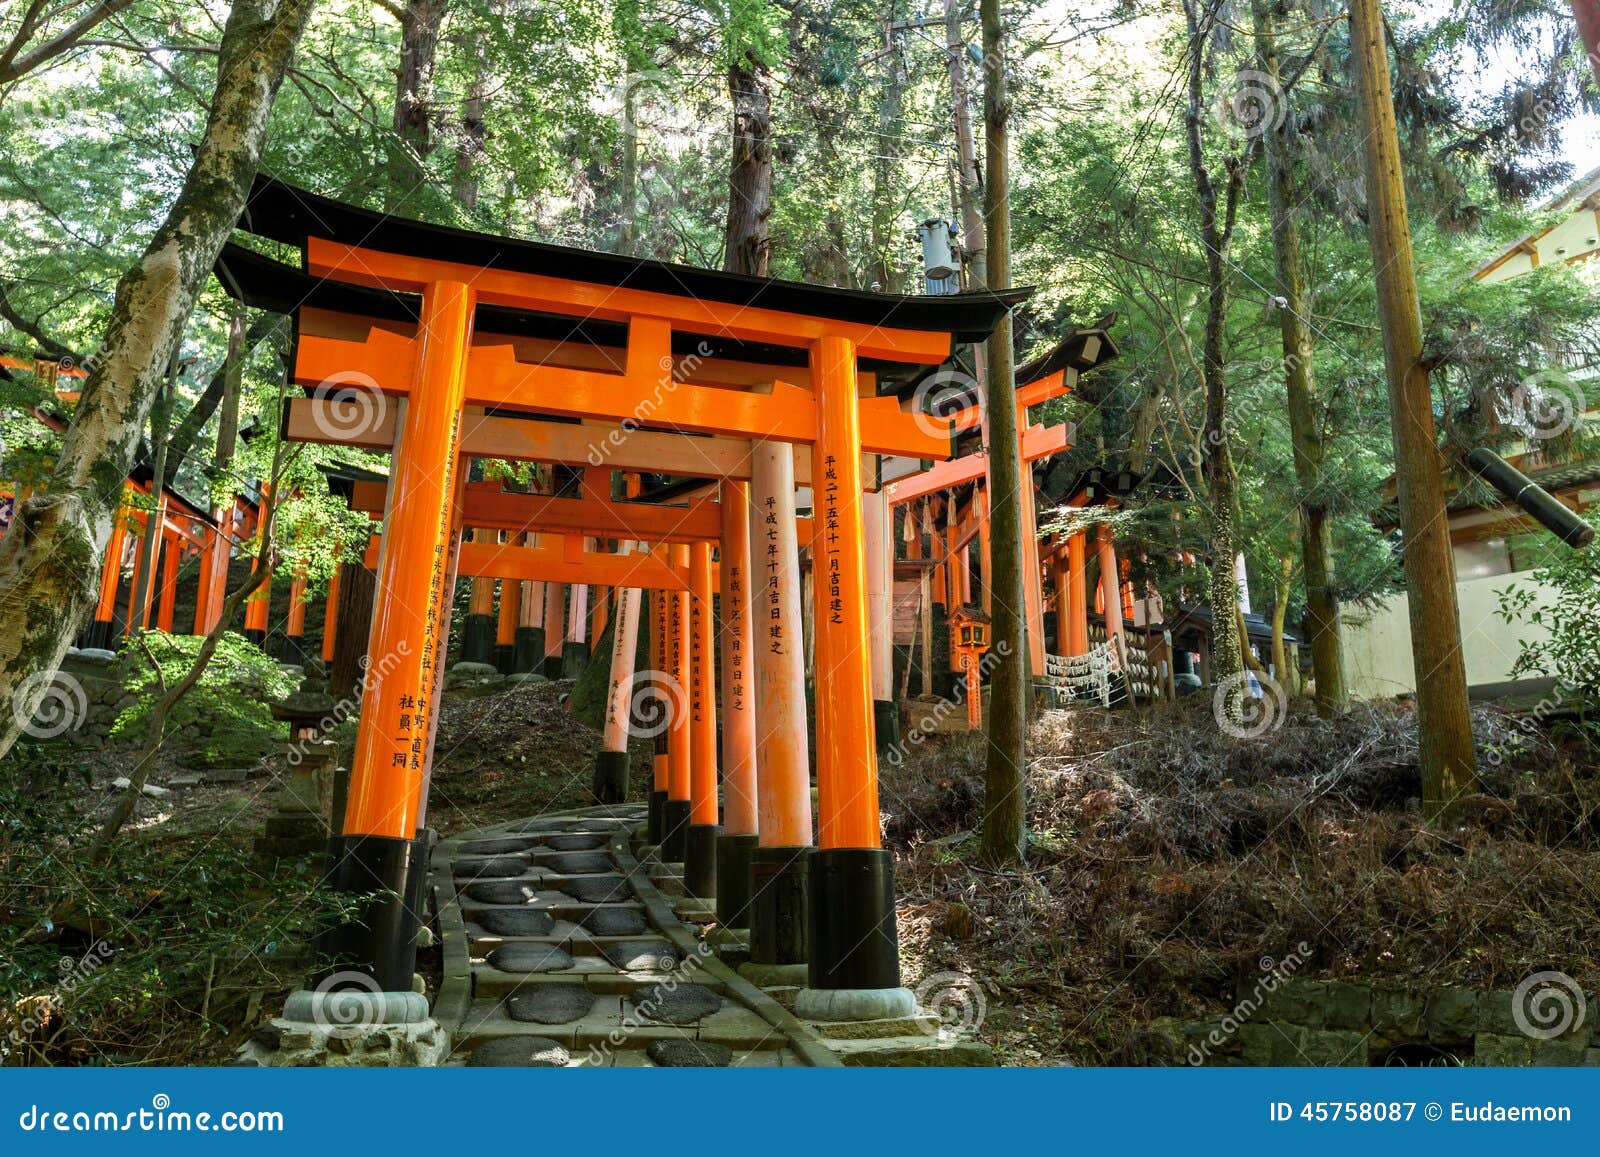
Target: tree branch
x=13, y=66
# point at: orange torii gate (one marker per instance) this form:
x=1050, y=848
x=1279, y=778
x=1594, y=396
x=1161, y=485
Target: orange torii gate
x=1049, y=376
x=461, y=320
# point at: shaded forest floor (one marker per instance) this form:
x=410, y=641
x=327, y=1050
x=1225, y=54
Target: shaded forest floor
x=1167, y=861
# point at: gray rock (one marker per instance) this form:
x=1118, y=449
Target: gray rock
x=574, y=842
x=502, y=892
x=642, y=955
x=597, y=889
x=579, y=862
x=493, y=866
x=529, y=958
x=519, y=1052
x=1452, y=1015
x=678, y=1054
x=676, y=1003
x=550, y=1004
x=496, y=847
x=614, y=922
x=515, y=921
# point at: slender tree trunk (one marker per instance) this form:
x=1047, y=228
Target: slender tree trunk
x=748, y=246
x=1305, y=431
x=420, y=22
x=1005, y=832
x=968, y=181
x=187, y=432
x=628, y=194
x=472, y=133
x=1444, y=721
x=50, y=562
x=886, y=177
x=1216, y=231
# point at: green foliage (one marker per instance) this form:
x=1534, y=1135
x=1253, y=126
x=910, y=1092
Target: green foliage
x=1561, y=626
x=228, y=710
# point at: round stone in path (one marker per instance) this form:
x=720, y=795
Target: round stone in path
x=642, y=955
x=550, y=1004
x=597, y=889
x=529, y=958
x=676, y=1003
x=614, y=922
x=541, y=826
x=515, y=921
x=678, y=1054
x=574, y=843
x=579, y=862
x=493, y=866
x=495, y=847
x=519, y=1052
x=502, y=892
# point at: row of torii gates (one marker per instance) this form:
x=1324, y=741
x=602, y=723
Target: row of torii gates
x=441, y=346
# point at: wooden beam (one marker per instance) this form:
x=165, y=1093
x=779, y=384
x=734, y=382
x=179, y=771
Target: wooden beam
x=1037, y=442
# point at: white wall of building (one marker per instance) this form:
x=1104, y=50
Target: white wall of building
x=1377, y=648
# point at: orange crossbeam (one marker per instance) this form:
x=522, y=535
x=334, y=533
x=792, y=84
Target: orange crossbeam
x=554, y=294
x=1037, y=442
x=490, y=508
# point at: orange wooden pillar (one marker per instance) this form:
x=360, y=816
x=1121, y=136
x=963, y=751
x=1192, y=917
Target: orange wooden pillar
x=555, y=607
x=779, y=868
x=379, y=851
x=214, y=571
x=660, y=773
x=1077, y=595
x=740, y=822
x=171, y=556
x=478, y=628
x=1063, y=596
x=102, y=633
x=294, y=651
x=1110, y=592
x=675, y=812
x=985, y=559
x=611, y=764
x=879, y=526
x=700, y=852
x=507, y=616
x=330, y=613
x=1032, y=575
x=256, y=609
x=855, y=943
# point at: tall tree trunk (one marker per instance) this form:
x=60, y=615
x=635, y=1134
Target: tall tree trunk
x=187, y=432
x=472, y=133
x=748, y=246
x=1005, y=833
x=1444, y=721
x=886, y=176
x=1305, y=431
x=968, y=181
x=628, y=193
x=420, y=21
x=1216, y=232
x=50, y=562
